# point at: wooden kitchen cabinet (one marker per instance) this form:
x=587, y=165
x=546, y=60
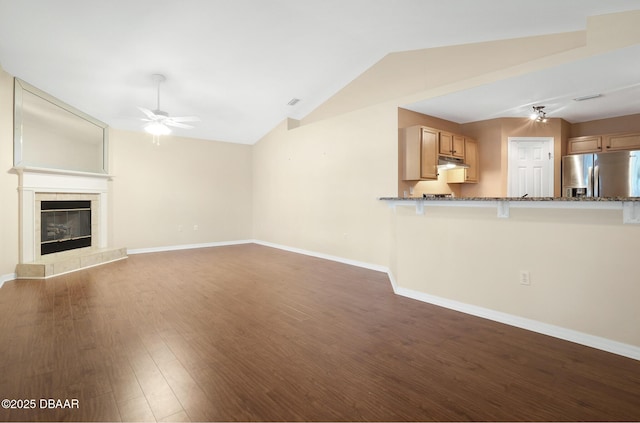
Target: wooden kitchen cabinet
x=420, y=145
x=451, y=145
x=603, y=143
x=587, y=144
x=459, y=146
x=470, y=174
x=622, y=142
x=445, y=144
x=471, y=158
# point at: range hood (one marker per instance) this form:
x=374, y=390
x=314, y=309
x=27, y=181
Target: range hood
x=445, y=162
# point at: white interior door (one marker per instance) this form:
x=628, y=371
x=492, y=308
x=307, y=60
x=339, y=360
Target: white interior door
x=530, y=168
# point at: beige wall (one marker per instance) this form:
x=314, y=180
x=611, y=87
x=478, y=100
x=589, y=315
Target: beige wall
x=582, y=264
x=314, y=190
x=8, y=180
x=159, y=193
x=629, y=123
x=408, y=118
x=488, y=134
x=316, y=186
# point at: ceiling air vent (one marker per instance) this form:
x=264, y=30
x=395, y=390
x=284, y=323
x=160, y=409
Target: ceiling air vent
x=587, y=97
x=293, y=101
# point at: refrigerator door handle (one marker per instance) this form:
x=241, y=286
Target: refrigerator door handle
x=596, y=182
x=590, y=182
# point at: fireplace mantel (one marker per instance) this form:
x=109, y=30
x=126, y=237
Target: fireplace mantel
x=52, y=180
x=36, y=184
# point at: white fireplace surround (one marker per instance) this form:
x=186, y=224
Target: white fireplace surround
x=36, y=185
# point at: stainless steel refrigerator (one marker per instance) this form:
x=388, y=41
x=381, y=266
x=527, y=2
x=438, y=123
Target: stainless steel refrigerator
x=601, y=175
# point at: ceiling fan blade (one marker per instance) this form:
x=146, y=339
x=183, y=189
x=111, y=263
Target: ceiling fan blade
x=159, y=119
x=185, y=119
x=170, y=122
x=149, y=113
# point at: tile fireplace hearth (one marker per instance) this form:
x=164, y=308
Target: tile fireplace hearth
x=68, y=261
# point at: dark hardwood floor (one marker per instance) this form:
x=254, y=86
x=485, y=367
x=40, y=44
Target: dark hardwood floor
x=252, y=333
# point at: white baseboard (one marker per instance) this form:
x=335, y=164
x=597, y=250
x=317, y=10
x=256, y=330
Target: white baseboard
x=592, y=341
x=356, y=263
x=186, y=246
x=581, y=338
x=6, y=278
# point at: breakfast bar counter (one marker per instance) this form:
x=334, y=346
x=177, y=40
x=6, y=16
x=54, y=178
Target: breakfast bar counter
x=630, y=206
x=564, y=267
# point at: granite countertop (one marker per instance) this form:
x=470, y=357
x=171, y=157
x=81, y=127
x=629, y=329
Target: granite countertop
x=530, y=199
x=630, y=206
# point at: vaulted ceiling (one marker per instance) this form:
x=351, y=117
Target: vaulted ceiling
x=237, y=63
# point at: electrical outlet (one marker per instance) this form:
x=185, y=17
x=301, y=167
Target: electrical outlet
x=525, y=278
x=195, y=227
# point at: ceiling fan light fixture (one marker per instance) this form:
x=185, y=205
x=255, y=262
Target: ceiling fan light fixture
x=159, y=121
x=157, y=128
x=538, y=115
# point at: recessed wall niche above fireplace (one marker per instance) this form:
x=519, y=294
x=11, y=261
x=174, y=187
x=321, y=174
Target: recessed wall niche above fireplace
x=51, y=134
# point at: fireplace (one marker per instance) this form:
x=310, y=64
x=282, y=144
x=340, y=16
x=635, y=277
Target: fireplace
x=64, y=225
x=63, y=222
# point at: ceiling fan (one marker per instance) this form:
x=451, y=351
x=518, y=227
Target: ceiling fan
x=159, y=121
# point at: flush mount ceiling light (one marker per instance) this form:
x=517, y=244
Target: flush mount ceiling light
x=539, y=115
x=159, y=120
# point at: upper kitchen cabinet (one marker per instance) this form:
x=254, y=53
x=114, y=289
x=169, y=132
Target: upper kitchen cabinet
x=471, y=159
x=420, y=153
x=603, y=143
x=618, y=142
x=470, y=174
x=587, y=144
x=451, y=145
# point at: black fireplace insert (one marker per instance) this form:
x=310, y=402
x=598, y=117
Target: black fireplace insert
x=65, y=225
